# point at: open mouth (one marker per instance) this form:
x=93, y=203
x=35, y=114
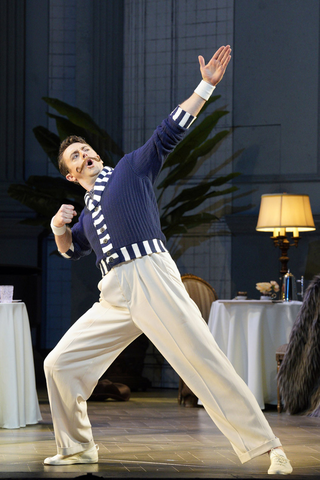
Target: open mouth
x=86, y=163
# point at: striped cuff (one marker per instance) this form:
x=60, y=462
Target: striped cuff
x=182, y=118
x=69, y=253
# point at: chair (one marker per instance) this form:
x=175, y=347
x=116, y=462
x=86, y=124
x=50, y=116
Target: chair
x=299, y=370
x=203, y=294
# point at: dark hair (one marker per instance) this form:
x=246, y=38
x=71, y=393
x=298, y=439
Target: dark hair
x=63, y=146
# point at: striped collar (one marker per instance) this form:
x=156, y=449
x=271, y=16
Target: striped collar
x=93, y=197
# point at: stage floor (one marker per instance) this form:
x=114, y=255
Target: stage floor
x=151, y=436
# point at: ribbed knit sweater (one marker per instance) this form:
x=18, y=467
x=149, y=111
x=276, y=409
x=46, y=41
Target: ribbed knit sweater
x=121, y=219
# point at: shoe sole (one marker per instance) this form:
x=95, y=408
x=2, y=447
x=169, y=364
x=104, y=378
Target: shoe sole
x=278, y=472
x=70, y=462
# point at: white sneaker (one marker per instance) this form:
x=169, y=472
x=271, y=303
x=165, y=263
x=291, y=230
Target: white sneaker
x=280, y=465
x=86, y=456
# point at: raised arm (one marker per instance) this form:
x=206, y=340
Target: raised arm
x=212, y=73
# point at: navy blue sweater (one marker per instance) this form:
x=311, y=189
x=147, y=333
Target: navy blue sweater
x=121, y=219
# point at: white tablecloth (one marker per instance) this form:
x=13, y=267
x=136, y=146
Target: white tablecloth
x=249, y=332
x=19, y=404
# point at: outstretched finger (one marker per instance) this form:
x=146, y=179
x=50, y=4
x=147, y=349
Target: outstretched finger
x=225, y=63
x=201, y=61
x=218, y=52
x=225, y=55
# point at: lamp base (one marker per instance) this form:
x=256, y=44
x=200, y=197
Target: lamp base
x=283, y=243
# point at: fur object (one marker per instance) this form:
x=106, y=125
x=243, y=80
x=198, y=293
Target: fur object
x=299, y=374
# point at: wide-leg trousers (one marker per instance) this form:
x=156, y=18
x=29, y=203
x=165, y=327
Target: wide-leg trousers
x=147, y=295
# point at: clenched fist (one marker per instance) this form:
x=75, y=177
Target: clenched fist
x=64, y=215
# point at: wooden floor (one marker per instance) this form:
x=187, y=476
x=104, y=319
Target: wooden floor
x=151, y=436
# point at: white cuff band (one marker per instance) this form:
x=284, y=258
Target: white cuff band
x=204, y=90
x=57, y=230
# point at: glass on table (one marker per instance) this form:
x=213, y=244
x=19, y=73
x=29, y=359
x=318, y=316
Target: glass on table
x=6, y=293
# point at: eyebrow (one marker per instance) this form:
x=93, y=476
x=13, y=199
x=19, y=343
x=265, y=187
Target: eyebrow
x=77, y=151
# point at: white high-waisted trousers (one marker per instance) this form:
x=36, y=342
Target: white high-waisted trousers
x=147, y=295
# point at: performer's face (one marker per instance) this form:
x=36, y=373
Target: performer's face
x=82, y=163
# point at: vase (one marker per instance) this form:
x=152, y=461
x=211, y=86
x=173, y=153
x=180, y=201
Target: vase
x=265, y=297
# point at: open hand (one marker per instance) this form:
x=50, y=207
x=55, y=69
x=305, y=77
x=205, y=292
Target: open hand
x=214, y=70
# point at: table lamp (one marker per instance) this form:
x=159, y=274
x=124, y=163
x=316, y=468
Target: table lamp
x=281, y=213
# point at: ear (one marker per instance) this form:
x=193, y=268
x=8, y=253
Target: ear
x=70, y=178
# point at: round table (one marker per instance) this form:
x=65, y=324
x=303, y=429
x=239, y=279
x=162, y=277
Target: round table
x=19, y=404
x=249, y=333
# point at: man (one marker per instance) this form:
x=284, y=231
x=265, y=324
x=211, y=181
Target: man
x=141, y=291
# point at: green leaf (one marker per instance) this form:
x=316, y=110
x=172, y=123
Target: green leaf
x=50, y=143
x=226, y=191
x=174, y=230
x=84, y=121
x=172, y=227
x=58, y=187
x=200, y=190
x=45, y=205
x=196, y=202
x=194, y=138
x=45, y=198
x=207, y=146
x=100, y=144
x=188, y=164
x=66, y=128
x=75, y=115
x=204, y=217
x=211, y=100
